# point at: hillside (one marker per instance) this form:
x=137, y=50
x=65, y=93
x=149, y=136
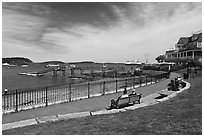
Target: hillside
x=16, y=61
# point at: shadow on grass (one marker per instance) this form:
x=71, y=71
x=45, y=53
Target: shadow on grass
x=161, y=96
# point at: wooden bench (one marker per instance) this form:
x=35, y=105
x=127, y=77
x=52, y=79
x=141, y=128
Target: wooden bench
x=123, y=102
x=135, y=98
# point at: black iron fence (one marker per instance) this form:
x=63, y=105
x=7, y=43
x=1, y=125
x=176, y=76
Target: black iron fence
x=25, y=99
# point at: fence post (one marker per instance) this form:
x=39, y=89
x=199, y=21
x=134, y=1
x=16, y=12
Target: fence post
x=146, y=79
x=16, y=101
x=116, y=85
x=70, y=92
x=4, y=94
x=140, y=81
x=134, y=82
x=196, y=72
x=155, y=79
x=104, y=82
x=126, y=84
x=88, y=90
x=159, y=77
x=46, y=95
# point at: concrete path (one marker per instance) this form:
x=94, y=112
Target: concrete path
x=86, y=105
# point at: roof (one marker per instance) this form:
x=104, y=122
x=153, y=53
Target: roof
x=200, y=38
x=183, y=40
x=196, y=37
x=170, y=51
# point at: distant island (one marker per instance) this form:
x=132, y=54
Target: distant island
x=16, y=61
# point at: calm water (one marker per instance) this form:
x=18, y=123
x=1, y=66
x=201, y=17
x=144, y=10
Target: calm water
x=11, y=80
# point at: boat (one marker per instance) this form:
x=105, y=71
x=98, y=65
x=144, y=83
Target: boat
x=33, y=74
x=135, y=62
x=28, y=74
x=22, y=73
x=52, y=65
x=24, y=66
x=12, y=65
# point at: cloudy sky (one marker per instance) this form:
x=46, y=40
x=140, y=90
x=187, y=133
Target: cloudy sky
x=101, y=32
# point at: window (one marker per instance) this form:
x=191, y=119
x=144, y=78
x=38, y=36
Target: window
x=184, y=47
x=198, y=53
x=189, y=53
x=199, y=44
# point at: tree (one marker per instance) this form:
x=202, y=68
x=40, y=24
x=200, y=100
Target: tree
x=146, y=55
x=160, y=58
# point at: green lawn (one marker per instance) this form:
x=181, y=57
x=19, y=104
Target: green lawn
x=179, y=115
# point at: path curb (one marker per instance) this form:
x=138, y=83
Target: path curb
x=100, y=112
x=188, y=85
x=46, y=119
x=19, y=124
x=73, y=115
x=136, y=106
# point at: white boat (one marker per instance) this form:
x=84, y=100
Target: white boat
x=29, y=74
x=24, y=66
x=52, y=65
x=34, y=74
x=21, y=73
x=135, y=62
x=12, y=65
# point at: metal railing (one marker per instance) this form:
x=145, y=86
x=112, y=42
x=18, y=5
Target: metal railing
x=25, y=99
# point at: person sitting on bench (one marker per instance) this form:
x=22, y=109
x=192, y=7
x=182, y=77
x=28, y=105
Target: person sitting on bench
x=176, y=81
x=124, y=94
x=172, y=86
x=181, y=82
x=114, y=101
x=133, y=92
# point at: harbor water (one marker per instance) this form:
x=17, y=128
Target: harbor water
x=12, y=80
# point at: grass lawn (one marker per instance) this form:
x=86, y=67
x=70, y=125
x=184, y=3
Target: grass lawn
x=179, y=115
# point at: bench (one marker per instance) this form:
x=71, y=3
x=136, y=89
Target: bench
x=123, y=102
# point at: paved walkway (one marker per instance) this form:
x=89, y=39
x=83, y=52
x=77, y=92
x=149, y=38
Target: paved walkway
x=91, y=104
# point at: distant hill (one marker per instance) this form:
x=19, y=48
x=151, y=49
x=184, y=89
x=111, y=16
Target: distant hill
x=16, y=61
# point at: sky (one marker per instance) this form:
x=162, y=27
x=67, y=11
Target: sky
x=96, y=31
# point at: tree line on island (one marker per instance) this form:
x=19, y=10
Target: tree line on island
x=16, y=61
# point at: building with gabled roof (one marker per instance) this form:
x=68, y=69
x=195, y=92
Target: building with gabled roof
x=187, y=48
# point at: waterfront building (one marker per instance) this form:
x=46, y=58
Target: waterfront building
x=187, y=48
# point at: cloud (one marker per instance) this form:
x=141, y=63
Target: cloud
x=26, y=24
x=139, y=29
x=127, y=40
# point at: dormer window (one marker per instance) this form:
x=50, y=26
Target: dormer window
x=184, y=46
x=194, y=38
